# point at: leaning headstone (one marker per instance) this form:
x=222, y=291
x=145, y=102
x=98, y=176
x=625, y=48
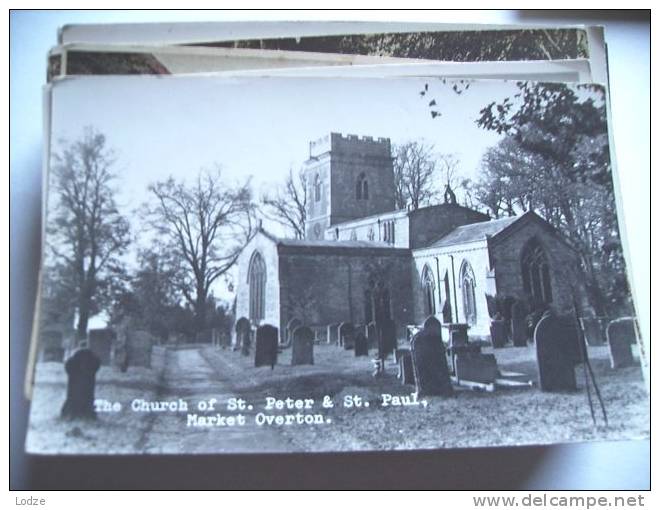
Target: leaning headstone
x=620, y=337
x=430, y=365
x=52, y=346
x=519, y=324
x=592, y=327
x=81, y=371
x=243, y=331
x=406, y=371
x=265, y=351
x=361, y=344
x=476, y=367
x=557, y=353
x=100, y=341
x=346, y=333
x=138, y=348
x=302, y=347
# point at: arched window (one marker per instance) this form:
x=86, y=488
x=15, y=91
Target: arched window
x=428, y=289
x=317, y=188
x=536, y=273
x=362, y=187
x=468, y=285
x=257, y=282
x=392, y=238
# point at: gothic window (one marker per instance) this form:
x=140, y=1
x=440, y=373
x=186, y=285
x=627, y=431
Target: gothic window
x=362, y=187
x=392, y=238
x=370, y=235
x=428, y=288
x=468, y=284
x=536, y=273
x=317, y=188
x=446, y=307
x=257, y=283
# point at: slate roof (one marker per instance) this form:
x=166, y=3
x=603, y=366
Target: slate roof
x=474, y=232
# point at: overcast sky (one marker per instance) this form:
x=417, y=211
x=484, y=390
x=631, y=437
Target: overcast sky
x=259, y=127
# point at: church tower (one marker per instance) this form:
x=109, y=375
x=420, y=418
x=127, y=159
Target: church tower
x=347, y=178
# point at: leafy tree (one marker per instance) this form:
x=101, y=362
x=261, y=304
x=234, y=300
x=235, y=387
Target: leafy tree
x=287, y=205
x=555, y=159
x=86, y=232
x=204, y=225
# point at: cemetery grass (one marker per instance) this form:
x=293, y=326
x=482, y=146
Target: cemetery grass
x=468, y=419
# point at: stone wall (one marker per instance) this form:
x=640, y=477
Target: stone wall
x=327, y=285
x=429, y=224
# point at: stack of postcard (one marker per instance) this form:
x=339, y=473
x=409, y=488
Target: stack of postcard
x=286, y=237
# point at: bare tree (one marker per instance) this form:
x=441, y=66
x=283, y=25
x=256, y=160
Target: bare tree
x=206, y=225
x=414, y=174
x=86, y=232
x=287, y=205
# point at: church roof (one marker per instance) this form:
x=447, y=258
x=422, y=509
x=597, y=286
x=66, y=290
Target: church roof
x=475, y=232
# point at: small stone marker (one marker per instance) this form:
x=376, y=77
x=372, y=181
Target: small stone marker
x=557, y=353
x=620, y=337
x=476, y=367
x=243, y=333
x=430, y=364
x=302, y=347
x=406, y=371
x=519, y=324
x=100, y=341
x=592, y=327
x=81, y=371
x=361, y=344
x=265, y=351
x=346, y=334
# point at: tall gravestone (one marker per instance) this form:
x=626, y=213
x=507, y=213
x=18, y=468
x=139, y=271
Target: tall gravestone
x=265, y=351
x=81, y=370
x=361, y=344
x=519, y=324
x=430, y=364
x=302, y=347
x=346, y=334
x=557, y=352
x=387, y=336
x=620, y=337
x=243, y=332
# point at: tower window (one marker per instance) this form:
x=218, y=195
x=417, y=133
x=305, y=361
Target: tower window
x=317, y=188
x=362, y=187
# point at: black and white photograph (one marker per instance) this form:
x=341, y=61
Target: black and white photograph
x=341, y=264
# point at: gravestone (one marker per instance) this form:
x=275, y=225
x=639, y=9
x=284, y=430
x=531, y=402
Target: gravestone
x=346, y=334
x=519, y=324
x=406, y=371
x=387, y=338
x=243, y=332
x=265, y=351
x=458, y=336
x=290, y=328
x=302, y=347
x=430, y=364
x=52, y=346
x=372, y=335
x=138, y=348
x=557, y=352
x=476, y=367
x=81, y=371
x=100, y=341
x=498, y=333
x=433, y=324
x=592, y=327
x=620, y=337
x=361, y=344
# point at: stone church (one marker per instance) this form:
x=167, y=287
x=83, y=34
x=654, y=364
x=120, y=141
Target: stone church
x=440, y=260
